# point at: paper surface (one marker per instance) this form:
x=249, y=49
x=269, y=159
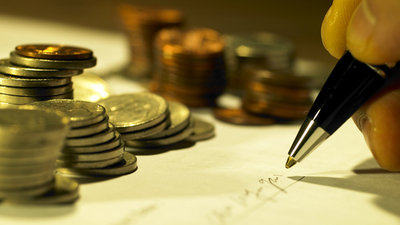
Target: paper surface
x=238, y=177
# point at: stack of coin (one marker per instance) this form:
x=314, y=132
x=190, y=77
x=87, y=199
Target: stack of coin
x=31, y=142
x=41, y=72
x=261, y=50
x=137, y=115
x=281, y=95
x=190, y=66
x=93, y=147
x=141, y=25
x=181, y=127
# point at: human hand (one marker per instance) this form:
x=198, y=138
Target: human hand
x=370, y=30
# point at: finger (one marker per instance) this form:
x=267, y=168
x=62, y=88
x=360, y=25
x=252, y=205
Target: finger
x=379, y=121
x=373, y=34
x=334, y=26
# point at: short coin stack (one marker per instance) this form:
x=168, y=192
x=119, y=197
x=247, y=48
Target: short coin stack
x=31, y=142
x=41, y=72
x=141, y=25
x=93, y=147
x=190, y=66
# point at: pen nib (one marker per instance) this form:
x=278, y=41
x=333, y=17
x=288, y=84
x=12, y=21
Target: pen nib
x=290, y=162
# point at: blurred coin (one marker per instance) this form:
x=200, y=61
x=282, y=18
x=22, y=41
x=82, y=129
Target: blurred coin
x=163, y=141
x=115, y=142
x=35, y=91
x=134, y=112
x=89, y=87
x=65, y=190
x=88, y=165
x=128, y=164
x=202, y=130
x=286, y=93
x=96, y=139
x=80, y=113
x=94, y=156
x=89, y=130
x=12, y=69
x=19, y=100
x=241, y=117
x=52, y=63
x=26, y=192
x=26, y=169
x=53, y=51
x=19, y=182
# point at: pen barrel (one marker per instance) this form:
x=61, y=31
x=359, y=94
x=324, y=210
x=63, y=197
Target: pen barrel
x=349, y=86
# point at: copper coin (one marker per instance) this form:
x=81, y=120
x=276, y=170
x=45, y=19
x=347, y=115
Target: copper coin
x=53, y=51
x=241, y=117
x=284, y=92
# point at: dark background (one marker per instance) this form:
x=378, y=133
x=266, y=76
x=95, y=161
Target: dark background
x=299, y=20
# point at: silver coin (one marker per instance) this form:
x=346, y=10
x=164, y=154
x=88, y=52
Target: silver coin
x=115, y=142
x=36, y=91
x=26, y=169
x=25, y=181
x=202, y=131
x=96, y=139
x=96, y=156
x=12, y=69
x=88, y=165
x=20, y=100
x=164, y=141
x=16, y=81
x=15, y=193
x=146, y=132
x=52, y=63
x=89, y=130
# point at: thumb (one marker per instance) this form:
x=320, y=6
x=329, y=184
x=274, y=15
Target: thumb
x=379, y=121
x=373, y=34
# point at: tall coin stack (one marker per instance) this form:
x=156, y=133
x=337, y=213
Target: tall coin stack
x=190, y=66
x=261, y=50
x=93, y=147
x=41, y=72
x=31, y=142
x=141, y=25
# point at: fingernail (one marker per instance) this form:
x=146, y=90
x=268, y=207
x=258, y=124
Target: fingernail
x=364, y=125
x=361, y=26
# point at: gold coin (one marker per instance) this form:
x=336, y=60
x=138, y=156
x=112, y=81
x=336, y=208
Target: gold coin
x=64, y=190
x=53, y=51
x=17, y=193
x=134, y=112
x=128, y=164
x=25, y=181
x=89, y=130
x=95, y=156
x=95, y=139
x=202, y=131
x=27, y=169
x=14, y=81
x=147, y=132
x=36, y=91
x=89, y=87
x=80, y=113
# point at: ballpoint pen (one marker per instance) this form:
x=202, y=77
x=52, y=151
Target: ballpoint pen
x=350, y=84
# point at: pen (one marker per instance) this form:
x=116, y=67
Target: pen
x=350, y=84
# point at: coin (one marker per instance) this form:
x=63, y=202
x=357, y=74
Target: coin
x=96, y=139
x=80, y=113
x=127, y=165
x=26, y=192
x=115, y=142
x=52, y=63
x=19, y=100
x=89, y=130
x=37, y=92
x=164, y=141
x=64, y=190
x=241, y=117
x=180, y=118
x=88, y=165
x=8, y=68
x=19, y=182
x=146, y=132
x=202, y=130
x=27, y=169
x=134, y=112
x=94, y=156
x=89, y=87
x=53, y=51
x=15, y=81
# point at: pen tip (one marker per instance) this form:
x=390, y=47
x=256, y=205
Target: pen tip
x=290, y=162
